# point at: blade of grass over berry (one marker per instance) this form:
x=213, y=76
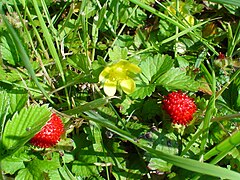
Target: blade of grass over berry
x=172, y=21
x=23, y=55
x=188, y=164
x=226, y=146
x=231, y=2
x=51, y=46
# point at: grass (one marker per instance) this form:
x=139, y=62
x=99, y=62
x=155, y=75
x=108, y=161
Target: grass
x=52, y=54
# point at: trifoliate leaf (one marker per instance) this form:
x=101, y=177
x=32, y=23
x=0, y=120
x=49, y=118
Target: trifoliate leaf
x=143, y=90
x=24, y=125
x=36, y=168
x=176, y=79
x=118, y=53
x=154, y=67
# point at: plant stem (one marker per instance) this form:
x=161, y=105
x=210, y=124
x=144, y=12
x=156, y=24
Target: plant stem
x=226, y=117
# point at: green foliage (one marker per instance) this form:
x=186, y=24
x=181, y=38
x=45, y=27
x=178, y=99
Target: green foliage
x=52, y=54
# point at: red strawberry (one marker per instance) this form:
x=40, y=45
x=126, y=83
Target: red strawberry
x=180, y=107
x=49, y=134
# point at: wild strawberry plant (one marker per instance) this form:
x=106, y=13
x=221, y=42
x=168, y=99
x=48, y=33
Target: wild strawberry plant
x=122, y=89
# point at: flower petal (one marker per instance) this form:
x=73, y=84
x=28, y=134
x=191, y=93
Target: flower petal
x=128, y=85
x=133, y=68
x=103, y=75
x=110, y=87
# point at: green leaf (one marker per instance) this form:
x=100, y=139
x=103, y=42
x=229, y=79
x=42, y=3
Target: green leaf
x=10, y=165
x=143, y=90
x=232, y=95
x=37, y=168
x=24, y=174
x=85, y=167
x=79, y=61
x=154, y=67
x=18, y=99
x=8, y=50
x=176, y=79
x=118, y=53
x=54, y=174
x=10, y=75
x=13, y=163
x=124, y=41
x=4, y=106
x=23, y=126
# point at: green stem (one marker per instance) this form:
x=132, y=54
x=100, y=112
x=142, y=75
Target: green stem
x=226, y=117
x=208, y=116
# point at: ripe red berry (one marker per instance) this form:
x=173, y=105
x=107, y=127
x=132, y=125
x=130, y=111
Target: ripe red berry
x=180, y=107
x=50, y=133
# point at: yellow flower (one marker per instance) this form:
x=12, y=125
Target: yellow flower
x=119, y=76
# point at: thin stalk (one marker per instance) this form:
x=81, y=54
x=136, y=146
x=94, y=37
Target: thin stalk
x=234, y=41
x=176, y=29
x=226, y=117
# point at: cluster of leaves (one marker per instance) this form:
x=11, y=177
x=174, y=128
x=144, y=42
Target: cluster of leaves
x=51, y=56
